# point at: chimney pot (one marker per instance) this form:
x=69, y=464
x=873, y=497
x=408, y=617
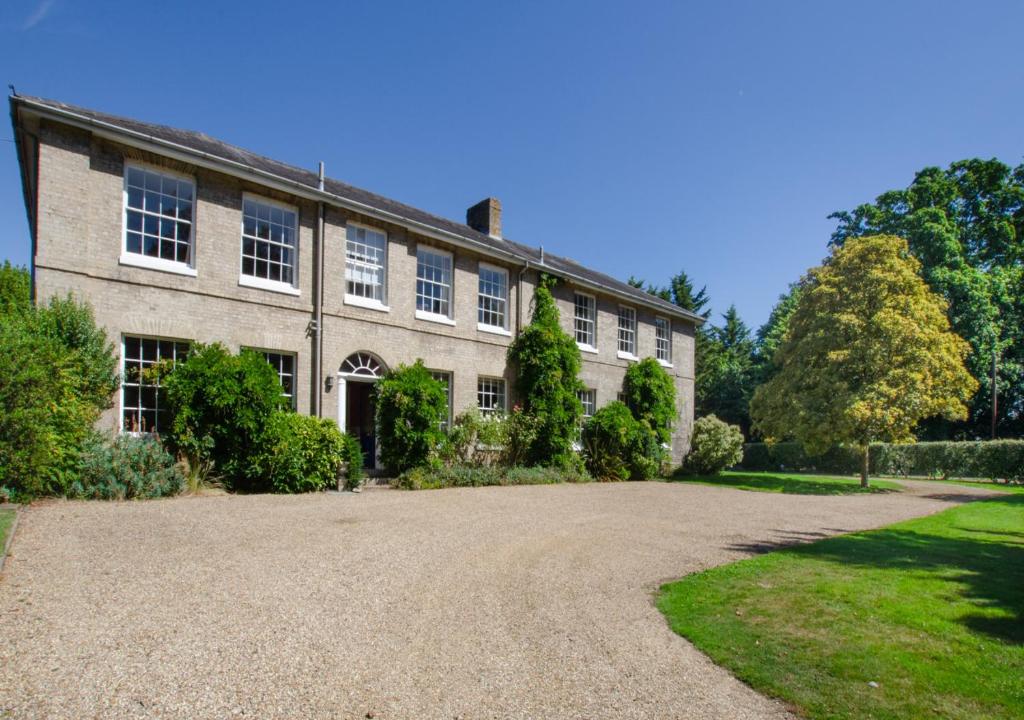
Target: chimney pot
x=485, y=217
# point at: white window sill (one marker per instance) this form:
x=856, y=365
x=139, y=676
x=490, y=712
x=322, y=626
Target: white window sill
x=271, y=285
x=621, y=355
x=151, y=263
x=665, y=364
x=587, y=348
x=368, y=303
x=434, y=317
x=493, y=329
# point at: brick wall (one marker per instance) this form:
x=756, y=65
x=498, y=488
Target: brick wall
x=80, y=239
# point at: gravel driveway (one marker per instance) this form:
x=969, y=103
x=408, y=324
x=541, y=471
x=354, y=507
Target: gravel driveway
x=523, y=602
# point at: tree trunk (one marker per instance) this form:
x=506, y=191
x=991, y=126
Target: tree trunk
x=865, y=463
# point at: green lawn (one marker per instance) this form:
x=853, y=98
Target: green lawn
x=6, y=520
x=790, y=483
x=932, y=610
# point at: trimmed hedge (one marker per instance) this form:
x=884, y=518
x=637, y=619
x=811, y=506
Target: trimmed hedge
x=992, y=459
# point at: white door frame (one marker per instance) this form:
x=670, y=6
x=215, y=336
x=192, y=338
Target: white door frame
x=343, y=379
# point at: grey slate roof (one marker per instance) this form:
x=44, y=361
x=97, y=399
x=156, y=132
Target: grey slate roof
x=216, y=149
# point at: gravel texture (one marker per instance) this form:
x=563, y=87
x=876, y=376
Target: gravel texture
x=522, y=602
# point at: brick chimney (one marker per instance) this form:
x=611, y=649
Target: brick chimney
x=485, y=216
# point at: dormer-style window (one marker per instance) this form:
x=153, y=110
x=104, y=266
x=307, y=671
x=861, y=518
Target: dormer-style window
x=585, y=321
x=663, y=340
x=158, y=212
x=492, y=300
x=269, y=245
x=366, y=266
x=627, y=332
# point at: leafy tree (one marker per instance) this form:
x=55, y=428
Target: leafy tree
x=547, y=364
x=651, y=397
x=726, y=383
x=966, y=225
x=869, y=354
x=57, y=374
x=411, y=405
x=772, y=333
x=15, y=290
x=220, y=406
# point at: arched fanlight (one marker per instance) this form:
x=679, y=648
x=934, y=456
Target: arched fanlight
x=362, y=364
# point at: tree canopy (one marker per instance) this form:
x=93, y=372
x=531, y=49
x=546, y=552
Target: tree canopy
x=965, y=224
x=869, y=353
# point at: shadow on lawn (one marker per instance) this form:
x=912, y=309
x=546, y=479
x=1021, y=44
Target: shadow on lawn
x=989, y=563
x=783, y=484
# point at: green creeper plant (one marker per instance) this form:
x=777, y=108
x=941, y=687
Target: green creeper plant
x=547, y=364
x=869, y=353
x=411, y=405
x=651, y=396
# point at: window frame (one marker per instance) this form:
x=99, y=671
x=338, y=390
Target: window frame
x=634, y=330
x=585, y=347
x=668, y=340
x=444, y=319
x=359, y=300
x=450, y=374
x=579, y=396
x=486, y=327
x=259, y=283
x=504, y=394
x=145, y=261
x=123, y=375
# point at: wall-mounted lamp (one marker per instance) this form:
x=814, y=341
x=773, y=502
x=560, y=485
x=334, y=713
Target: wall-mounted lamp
x=329, y=382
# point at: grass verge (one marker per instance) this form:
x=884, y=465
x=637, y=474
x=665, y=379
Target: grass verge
x=6, y=522
x=790, y=483
x=932, y=610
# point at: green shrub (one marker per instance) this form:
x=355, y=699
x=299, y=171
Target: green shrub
x=58, y=372
x=126, y=467
x=991, y=459
x=617, y=446
x=547, y=364
x=220, y=406
x=352, y=456
x=411, y=405
x=495, y=439
x=714, y=446
x=651, y=396
x=426, y=478
x=299, y=453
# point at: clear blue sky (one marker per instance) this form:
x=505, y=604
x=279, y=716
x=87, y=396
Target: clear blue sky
x=638, y=138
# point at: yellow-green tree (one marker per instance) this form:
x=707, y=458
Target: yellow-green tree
x=869, y=353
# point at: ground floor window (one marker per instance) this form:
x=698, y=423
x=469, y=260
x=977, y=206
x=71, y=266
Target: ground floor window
x=490, y=395
x=284, y=365
x=588, y=398
x=445, y=378
x=141, y=407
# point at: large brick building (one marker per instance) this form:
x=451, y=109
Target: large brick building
x=174, y=237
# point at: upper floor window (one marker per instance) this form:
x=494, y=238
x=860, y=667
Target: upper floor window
x=142, y=406
x=493, y=298
x=158, y=210
x=585, y=320
x=366, y=261
x=490, y=395
x=627, y=331
x=663, y=339
x=588, y=399
x=269, y=241
x=434, y=282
